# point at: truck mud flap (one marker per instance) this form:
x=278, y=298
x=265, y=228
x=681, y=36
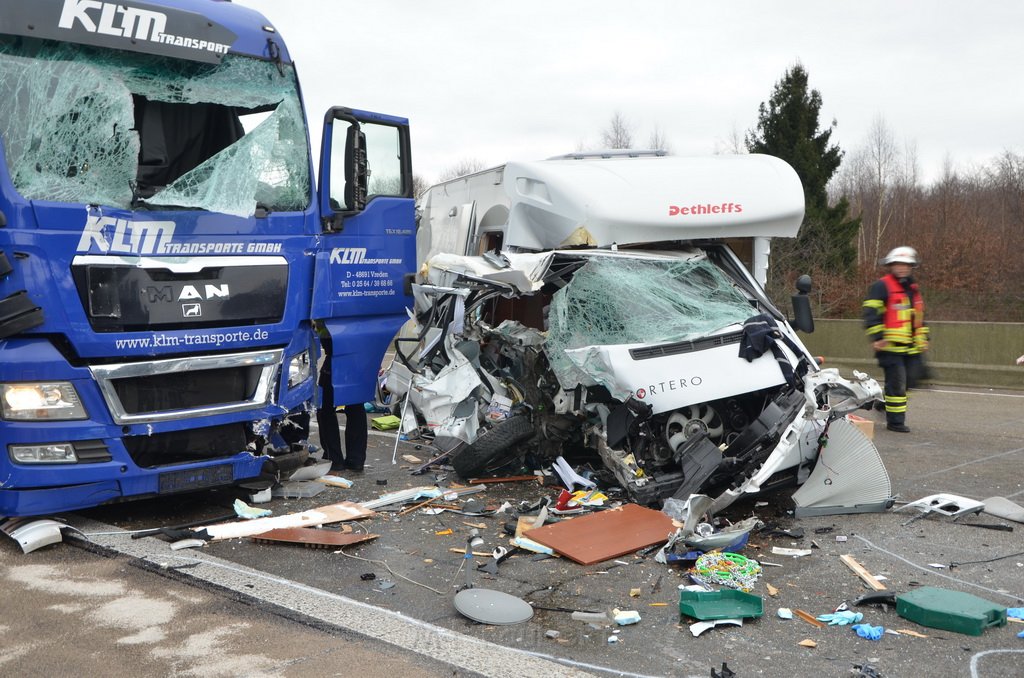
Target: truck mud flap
x=17, y=314
x=492, y=449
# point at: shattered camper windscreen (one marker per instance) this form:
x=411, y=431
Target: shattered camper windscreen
x=86, y=125
x=634, y=301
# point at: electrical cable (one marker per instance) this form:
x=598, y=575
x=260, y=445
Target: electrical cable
x=388, y=568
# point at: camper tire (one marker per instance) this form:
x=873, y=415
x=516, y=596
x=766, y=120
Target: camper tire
x=493, y=449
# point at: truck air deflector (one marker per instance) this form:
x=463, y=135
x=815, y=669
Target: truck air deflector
x=132, y=26
x=250, y=379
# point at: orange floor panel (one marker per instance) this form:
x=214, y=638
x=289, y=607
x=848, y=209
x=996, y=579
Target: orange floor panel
x=606, y=534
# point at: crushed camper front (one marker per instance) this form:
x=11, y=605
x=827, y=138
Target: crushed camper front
x=665, y=371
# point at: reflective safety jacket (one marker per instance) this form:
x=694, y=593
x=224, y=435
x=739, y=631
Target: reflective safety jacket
x=894, y=311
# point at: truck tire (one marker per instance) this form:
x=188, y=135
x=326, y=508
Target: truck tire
x=493, y=449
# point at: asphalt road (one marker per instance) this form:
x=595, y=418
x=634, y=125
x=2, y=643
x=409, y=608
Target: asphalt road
x=963, y=442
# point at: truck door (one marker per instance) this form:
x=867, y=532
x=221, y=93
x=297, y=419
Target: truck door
x=367, y=253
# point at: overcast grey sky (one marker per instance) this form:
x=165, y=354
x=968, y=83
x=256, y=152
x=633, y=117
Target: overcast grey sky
x=528, y=79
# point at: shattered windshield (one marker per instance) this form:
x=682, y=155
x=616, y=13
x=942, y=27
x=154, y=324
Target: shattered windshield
x=616, y=300
x=86, y=125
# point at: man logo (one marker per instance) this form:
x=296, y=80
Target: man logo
x=192, y=310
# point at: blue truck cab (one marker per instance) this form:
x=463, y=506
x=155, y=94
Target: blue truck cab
x=165, y=250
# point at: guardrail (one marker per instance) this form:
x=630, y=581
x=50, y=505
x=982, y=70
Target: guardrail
x=960, y=353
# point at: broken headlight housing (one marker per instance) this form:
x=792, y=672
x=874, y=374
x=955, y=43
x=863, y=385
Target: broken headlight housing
x=299, y=369
x=46, y=453
x=41, y=401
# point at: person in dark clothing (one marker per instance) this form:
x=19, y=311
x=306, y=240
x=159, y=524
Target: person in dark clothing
x=894, y=322
x=353, y=457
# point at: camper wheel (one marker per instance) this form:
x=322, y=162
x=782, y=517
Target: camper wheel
x=493, y=449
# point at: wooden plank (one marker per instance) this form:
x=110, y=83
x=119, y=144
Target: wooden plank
x=311, y=536
x=605, y=535
x=335, y=513
x=506, y=479
x=861, y=572
x=809, y=618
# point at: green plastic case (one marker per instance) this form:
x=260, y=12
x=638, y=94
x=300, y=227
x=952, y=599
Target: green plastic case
x=724, y=604
x=950, y=610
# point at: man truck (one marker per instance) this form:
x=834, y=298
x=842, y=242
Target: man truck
x=164, y=250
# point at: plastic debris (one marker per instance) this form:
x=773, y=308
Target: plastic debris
x=591, y=617
x=727, y=569
x=552, y=634
x=841, y=618
x=297, y=489
x=35, y=534
x=335, y=481
x=796, y=553
x=569, y=477
x=868, y=631
x=311, y=471
x=700, y=627
x=784, y=613
x=187, y=544
x=386, y=423
x=625, y=617
x=243, y=510
x=1015, y=612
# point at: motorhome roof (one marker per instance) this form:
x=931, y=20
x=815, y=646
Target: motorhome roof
x=622, y=199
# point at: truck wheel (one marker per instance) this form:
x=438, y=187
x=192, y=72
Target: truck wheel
x=494, y=448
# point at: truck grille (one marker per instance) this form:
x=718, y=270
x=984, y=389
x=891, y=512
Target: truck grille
x=191, y=445
x=680, y=347
x=163, y=390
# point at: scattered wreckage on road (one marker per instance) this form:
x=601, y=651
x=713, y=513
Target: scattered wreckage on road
x=618, y=325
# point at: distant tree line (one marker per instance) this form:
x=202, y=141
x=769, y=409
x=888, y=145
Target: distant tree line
x=966, y=226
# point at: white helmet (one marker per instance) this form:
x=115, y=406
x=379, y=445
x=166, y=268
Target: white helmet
x=901, y=255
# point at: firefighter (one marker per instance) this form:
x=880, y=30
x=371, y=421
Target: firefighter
x=894, y=322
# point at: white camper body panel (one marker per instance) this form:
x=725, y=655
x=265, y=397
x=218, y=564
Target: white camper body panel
x=602, y=202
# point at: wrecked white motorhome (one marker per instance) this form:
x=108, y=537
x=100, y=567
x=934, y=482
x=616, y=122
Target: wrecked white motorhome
x=594, y=308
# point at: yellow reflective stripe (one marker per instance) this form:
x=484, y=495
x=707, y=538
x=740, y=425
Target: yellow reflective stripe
x=875, y=304
x=875, y=329
x=896, y=410
x=895, y=399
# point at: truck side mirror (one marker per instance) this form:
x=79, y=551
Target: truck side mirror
x=356, y=169
x=803, y=319
x=363, y=155
x=343, y=168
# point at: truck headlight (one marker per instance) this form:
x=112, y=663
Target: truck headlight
x=299, y=369
x=43, y=401
x=49, y=453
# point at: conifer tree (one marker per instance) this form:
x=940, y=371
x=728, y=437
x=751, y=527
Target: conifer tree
x=788, y=128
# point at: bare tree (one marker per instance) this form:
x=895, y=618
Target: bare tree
x=658, y=141
x=883, y=164
x=462, y=168
x=735, y=144
x=419, y=185
x=618, y=134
